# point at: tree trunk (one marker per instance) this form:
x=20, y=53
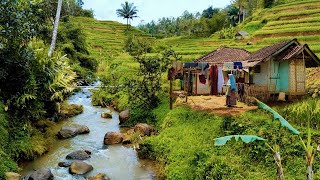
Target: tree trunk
x=277, y=159
x=127, y=24
x=55, y=28
x=309, y=172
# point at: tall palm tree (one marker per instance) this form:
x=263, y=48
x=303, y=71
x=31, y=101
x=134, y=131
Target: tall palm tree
x=128, y=11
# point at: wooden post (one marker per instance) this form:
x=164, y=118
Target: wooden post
x=197, y=76
x=170, y=93
x=188, y=85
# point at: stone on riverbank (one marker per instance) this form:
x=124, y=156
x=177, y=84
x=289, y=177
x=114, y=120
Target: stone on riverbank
x=106, y=115
x=12, y=176
x=143, y=129
x=41, y=174
x=79, y=155
x=99, y=176
x=124, y=116
x=72, y=131
x=80, y=168
x=113, y=138
x=70, y=110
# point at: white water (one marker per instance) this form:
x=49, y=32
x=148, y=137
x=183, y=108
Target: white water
x=117, y=161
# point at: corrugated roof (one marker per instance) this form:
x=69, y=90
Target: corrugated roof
x=269, y=51
x=224, y=54
x=293, y=52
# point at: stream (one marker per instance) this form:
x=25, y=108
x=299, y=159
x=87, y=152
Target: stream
x=116, y=161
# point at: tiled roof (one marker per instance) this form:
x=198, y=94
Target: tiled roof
x=268, y=51
x=224, y=54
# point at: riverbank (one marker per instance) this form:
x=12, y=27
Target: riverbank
x=31, y=141
x=185, y=146
x=116, y=161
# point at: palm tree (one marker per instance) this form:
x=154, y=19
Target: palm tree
x=128, y=11
x=55, y=28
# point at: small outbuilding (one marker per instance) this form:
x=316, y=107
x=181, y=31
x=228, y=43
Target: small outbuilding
x=241, y=35
x=280, y=68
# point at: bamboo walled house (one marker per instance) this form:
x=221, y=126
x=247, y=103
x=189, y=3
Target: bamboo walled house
x=280, y=68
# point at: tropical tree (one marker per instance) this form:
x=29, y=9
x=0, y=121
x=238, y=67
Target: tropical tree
x=128, y=11
x=55, y=28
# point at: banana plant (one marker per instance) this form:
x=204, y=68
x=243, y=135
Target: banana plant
x=251, y=138
x=310, y=154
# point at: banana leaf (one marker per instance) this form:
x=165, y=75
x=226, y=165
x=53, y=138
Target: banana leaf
x=276, y=115
x=245, y=138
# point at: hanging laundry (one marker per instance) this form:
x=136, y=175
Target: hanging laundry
x=204, y=69
x=202, y=79
x=214, y=80
x=190, y=65
x=228, y=66
x=237, y=65
x=220, y=80
x=232, y=82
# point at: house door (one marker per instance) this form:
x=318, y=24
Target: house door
x=283, y=81
x=274, y=76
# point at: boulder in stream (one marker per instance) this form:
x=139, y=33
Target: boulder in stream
x=113, y=138
x=143, y=129
x=79, y=155
x=100, y=176
x=12, y=176
x=64, y=164
x=80, y=168
x=72, y=131
x=124, y=116
x=106, y=115
x=41, y=174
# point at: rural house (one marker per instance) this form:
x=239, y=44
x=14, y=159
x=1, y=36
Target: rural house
x=280, y=68
x=275, y=69
x=207, y=66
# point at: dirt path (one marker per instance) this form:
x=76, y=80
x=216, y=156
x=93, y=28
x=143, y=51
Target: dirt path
x=214, y=104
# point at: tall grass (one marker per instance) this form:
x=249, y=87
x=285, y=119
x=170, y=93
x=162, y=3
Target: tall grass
x=302, y=111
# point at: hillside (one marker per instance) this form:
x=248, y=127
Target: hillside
x=106, y=38
x=299, y=19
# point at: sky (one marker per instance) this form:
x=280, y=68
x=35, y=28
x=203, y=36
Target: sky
x=149, y=10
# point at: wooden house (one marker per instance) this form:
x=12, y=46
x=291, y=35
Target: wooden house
x=217, y=57
x=281, y=68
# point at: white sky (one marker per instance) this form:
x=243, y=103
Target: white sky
x=150, y=9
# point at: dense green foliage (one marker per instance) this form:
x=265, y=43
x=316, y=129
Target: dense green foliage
x=33, y=85
x=185, y=145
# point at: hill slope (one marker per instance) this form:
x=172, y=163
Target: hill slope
x=299, y=19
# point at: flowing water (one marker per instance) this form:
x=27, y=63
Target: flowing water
x=117, y=161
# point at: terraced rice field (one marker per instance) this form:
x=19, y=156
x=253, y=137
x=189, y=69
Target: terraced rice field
x=299, y=19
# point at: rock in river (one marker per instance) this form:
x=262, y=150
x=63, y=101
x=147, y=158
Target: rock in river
x=79, y=155
x=80, y=168
x=143, y=129
x=124, y=116
x=12, y=176
x=72, y=131
x=106, y=115
x=42, y=174
x=64, y=164
x=99, y=176
x=113, y=138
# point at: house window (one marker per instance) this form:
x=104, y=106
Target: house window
x=257, y=69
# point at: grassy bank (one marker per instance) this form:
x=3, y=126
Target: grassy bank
x=22, y=143
x=185, y=146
